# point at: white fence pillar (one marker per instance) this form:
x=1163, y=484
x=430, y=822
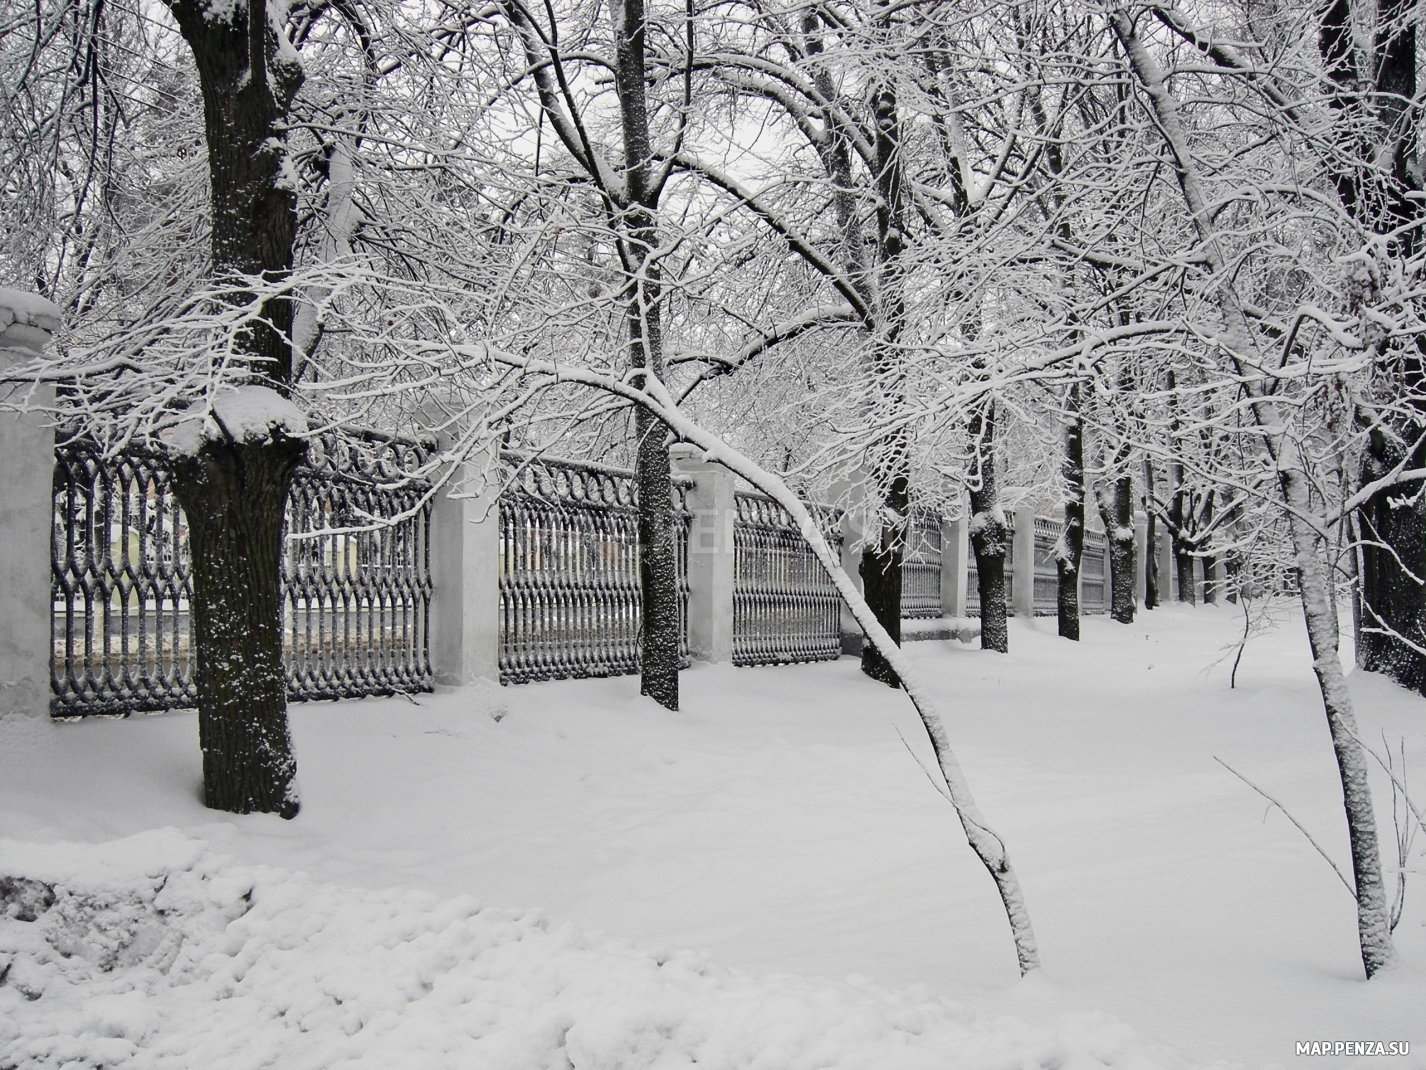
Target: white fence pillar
x=711, y=555
x=465, y=573
x=955, y=550
x=1022, y=585
x=1168, y=569
x=1141, y=549
x=27, y=323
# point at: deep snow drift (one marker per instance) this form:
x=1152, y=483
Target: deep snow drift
x=777, y=826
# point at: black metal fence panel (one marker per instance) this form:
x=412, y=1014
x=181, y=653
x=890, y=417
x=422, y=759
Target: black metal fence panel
x=356, y=604
x=921, y=566
x=785, y=607
x=569, y=570
x=121, y=586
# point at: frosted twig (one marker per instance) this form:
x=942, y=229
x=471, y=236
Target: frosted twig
x=1328, y=858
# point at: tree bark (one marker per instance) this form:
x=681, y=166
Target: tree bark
x=1119, y=529
x=891, y=460
x=1067, y=561
x=235, y=495
x=1151, y=556
x=1393, y=569
x=988, y=532
x=658, y=561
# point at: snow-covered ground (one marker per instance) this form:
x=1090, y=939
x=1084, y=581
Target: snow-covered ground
x=763, y=880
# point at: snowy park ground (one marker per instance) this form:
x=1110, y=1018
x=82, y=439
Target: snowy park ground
x=762, y=880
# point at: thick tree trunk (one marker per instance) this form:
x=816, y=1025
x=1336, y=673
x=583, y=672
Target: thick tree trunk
x=233, y=497
x=1151, y=554
x=658, y=567
x=1067, y=561
x=1183, y=564
x=891, y=457
x=1119, y=528
x=881, y=582
x=988, y=533
x=1393, y=533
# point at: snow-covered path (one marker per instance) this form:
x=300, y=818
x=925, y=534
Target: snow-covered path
x=779, y=823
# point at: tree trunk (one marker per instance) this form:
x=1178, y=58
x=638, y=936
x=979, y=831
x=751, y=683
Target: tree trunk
x=233, y=497
x=658, y=560
x=891, y=457
x=1393, y=533
x=1183, y=563
x=1382, y=131
x=881, y=582
x=988, y=532
x=1373, y=921
x=1373, y=924
x=1151, y=542
x=1067, y=561
x=1119, y=529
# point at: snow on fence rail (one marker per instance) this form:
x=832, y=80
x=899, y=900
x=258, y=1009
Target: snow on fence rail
x=785, y=607
x=356, y=604
x=569, y=570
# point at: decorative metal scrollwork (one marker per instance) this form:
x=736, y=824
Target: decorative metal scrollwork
x=785, y=607
x=570, y=602
x=921, y=566
x=356, y=604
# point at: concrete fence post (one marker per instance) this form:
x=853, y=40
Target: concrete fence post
x=955, y=564
x=465, y=572
x=1141, y=549
x=711, y=555
x=27, y=323
x=1168, y=569
x=1022, y=585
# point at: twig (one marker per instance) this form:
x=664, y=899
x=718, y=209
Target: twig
x=915, y=758
x=1326, y=857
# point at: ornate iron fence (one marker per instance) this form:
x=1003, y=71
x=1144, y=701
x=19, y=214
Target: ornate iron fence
x=1093, y=587
x=785, y=607
x=1047, y=575
x=569, y=570
x=356, y=604
x=921, y=566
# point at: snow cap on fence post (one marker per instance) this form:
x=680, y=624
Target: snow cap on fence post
x=1023, y=578
x=465, y=573
x=27, y=323
x=710, y=553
